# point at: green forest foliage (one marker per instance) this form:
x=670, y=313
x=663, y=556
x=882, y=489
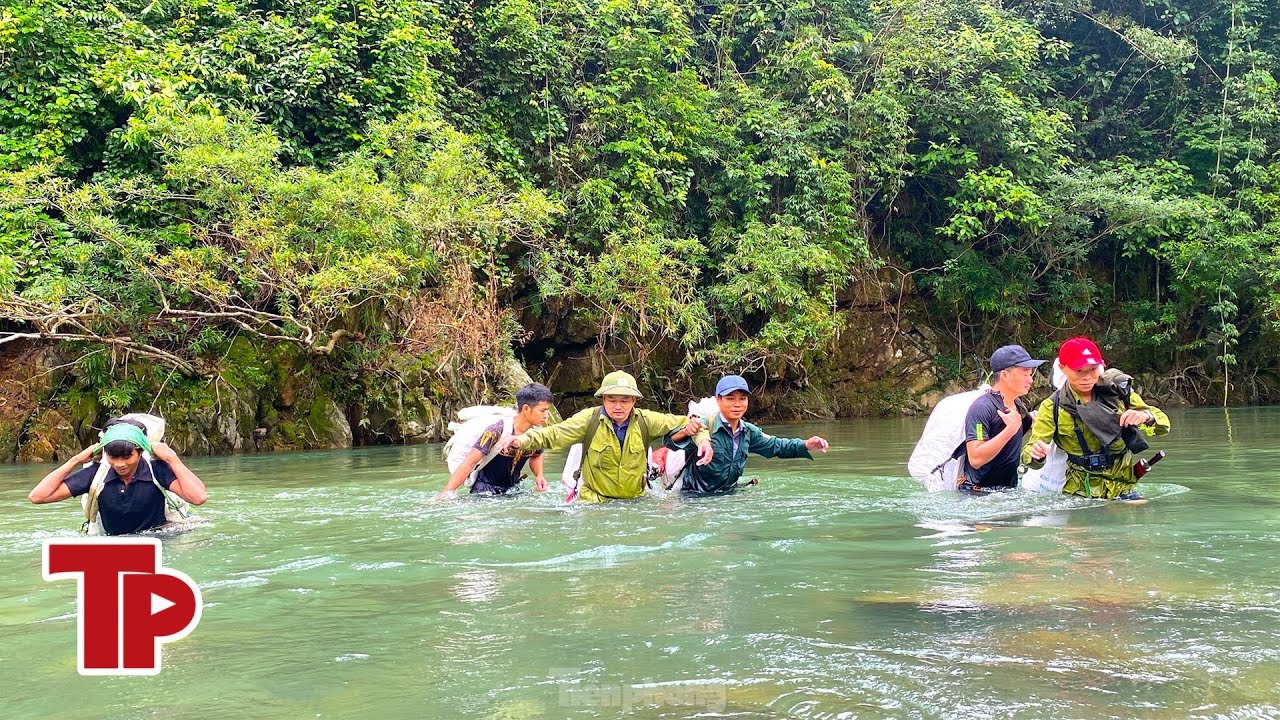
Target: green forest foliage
x=716, y=174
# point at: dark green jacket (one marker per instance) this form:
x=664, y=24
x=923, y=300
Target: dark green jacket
x=725, y=470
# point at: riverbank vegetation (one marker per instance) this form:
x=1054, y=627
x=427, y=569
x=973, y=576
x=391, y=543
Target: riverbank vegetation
x=393, y=192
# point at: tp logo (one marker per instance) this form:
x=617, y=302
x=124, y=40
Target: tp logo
x=128, y=603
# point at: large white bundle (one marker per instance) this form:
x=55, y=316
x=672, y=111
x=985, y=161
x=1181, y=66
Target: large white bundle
x=1059, y=377
x=931, y=462
x=571, y=465
x=155, y=425
x=474, y=421
x=673, y=469
x=1053, y=475
x=704, y=409
x=484, y=411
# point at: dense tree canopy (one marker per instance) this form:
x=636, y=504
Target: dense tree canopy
x=717, y=174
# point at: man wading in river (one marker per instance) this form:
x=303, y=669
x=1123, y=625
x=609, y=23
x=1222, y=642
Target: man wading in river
x=995, y=423
x=501, y=470
x=130, y=499
x=615, y=437
x=732, y=438
x=1099, y=421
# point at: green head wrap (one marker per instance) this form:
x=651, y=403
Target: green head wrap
x=127, y=432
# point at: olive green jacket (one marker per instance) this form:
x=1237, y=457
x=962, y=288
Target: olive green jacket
x=609, y=471
x=1115, y=480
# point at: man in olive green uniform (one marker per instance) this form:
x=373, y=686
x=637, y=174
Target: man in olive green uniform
x=616, y=437
x=1098, y=421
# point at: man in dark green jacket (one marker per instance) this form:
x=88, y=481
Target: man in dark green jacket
x=732, y=438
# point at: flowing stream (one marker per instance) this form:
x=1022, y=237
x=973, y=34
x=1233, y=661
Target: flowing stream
x=836, y=588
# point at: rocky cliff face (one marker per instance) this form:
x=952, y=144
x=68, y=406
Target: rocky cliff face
x=48, y=415
x=32, y=429
x=881, y=364
x=277, y=398
x=260, y=398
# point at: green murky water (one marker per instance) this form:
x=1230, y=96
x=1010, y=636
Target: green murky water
x=835, y=589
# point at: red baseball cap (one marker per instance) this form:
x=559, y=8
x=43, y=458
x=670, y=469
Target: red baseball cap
x=1078, y=353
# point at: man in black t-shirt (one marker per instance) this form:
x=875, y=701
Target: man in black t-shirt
x=503, y=462
x=996, y=421
x=502, y=474
x=129, y=500
x=127, y=507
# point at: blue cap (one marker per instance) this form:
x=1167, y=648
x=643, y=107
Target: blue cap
x=1013, y=356
x=729, y=383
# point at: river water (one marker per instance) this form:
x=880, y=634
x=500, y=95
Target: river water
x=836, y=588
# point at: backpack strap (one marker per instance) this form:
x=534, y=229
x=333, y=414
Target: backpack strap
x=508, y=429
x=1057, y=405
x=1084, y=444
x=171, y=498
x=592, y=426
x=1075, y=424
x=95, y=490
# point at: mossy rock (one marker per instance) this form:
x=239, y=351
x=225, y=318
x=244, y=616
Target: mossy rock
x=328, y=424
x=50, y=437
x=576, y=375
x=27, y=378
x=10, y=433
x=204, y=419
x=85, y=412
x=324, y=426
x=514, y=376
x=210, y=430
x=400, y=412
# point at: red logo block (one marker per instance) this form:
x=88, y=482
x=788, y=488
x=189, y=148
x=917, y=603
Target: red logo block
x=128, y=603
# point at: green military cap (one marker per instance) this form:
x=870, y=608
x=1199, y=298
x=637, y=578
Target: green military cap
x=618, y=383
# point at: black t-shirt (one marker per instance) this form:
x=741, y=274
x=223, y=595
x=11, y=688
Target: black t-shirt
x=130, y=508
x=502, y=473
x=983, y=422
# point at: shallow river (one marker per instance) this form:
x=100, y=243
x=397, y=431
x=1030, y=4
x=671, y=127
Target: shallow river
x=836, y=588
